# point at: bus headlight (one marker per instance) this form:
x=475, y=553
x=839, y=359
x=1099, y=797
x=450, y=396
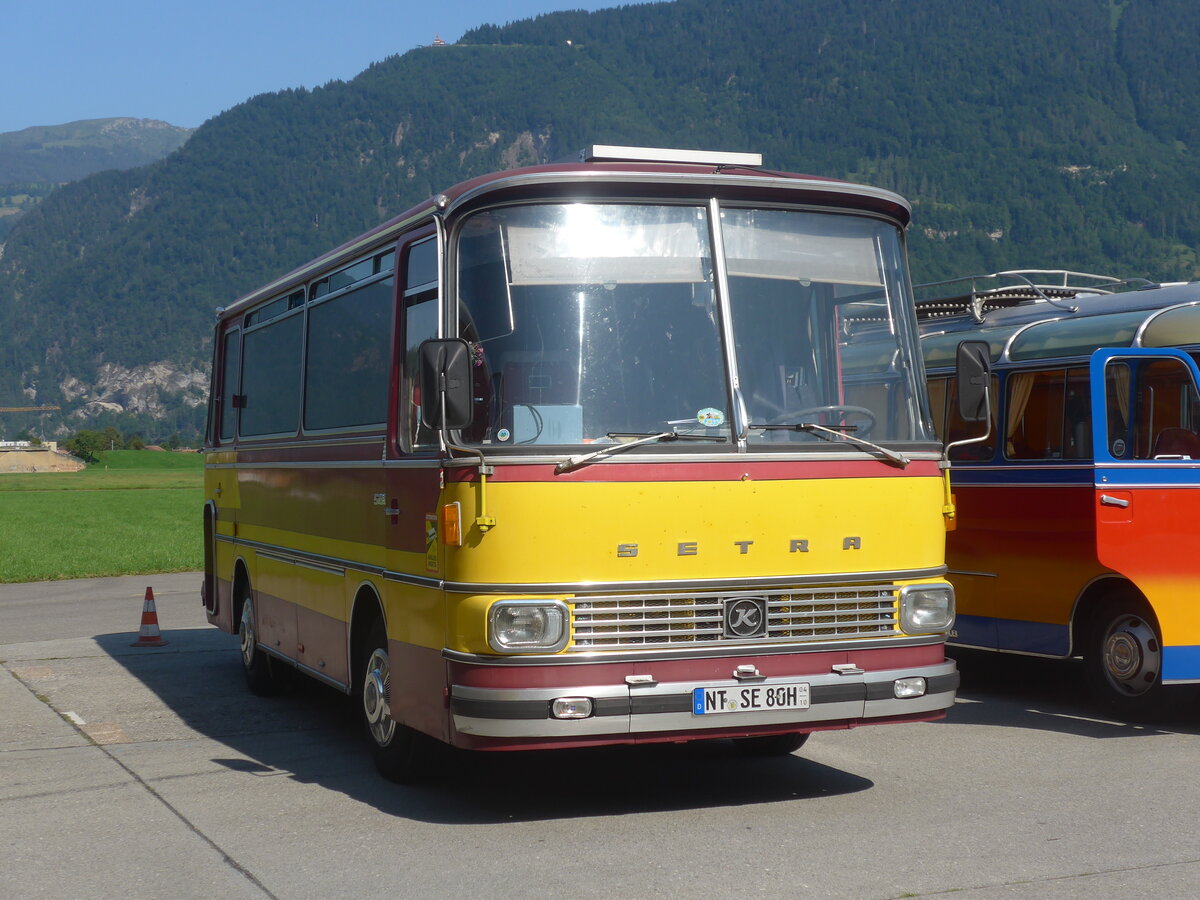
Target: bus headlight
x=926, y=608
x=522, y=626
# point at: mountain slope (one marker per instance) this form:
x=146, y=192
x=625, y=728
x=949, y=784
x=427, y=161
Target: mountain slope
x=58, y=153
x=34, y=161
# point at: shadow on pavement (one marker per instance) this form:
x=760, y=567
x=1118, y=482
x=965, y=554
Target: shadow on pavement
x=1014, y=691
x=310, y=734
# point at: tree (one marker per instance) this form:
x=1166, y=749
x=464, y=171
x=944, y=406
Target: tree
x=112, y=439
x=87, y=445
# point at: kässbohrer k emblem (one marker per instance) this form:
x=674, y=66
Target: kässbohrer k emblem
x=745, y=617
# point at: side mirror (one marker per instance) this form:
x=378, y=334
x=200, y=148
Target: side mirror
x=974, y=373
x=446, y=383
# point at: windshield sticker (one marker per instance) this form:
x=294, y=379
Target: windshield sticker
x=710, y=418
x=503, y=434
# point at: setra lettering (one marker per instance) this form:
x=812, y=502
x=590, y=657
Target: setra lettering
x=692, y=548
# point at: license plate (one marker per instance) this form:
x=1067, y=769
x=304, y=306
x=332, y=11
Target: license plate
x=752, y=698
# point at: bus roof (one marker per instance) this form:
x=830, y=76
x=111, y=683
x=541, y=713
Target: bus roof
x=1061, y=317
x=601, y=171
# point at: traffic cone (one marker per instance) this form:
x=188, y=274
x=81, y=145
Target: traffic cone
x=148, y=635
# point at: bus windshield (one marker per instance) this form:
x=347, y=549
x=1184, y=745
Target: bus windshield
x=598, y=322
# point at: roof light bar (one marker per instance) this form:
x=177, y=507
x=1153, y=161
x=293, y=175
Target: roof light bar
x=613, y=153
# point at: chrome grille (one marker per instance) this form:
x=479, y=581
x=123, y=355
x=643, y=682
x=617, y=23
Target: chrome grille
x=666, y=620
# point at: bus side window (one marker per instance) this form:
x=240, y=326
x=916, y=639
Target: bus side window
x=1047, y=415
x=231, y=365
x=1164, y=422
x=1077, y=439
x=346, y=370
x=419, y=301
x=271, y=372
x=1117, y=379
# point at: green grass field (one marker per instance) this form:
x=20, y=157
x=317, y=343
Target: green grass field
x=135, y=512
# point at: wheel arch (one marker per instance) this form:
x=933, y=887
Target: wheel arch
x=367, y=608
x=241, y=580
x=1093, y=597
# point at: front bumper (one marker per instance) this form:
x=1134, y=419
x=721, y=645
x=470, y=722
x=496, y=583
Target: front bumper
x=654, y=700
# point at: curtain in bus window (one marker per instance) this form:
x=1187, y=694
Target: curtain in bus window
x=1045, y=409
x=1020, y=386
x=1119, y=380
x=271, y=377
x=349, y=341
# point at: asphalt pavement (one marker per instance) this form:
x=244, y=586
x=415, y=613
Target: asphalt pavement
x=137, y=772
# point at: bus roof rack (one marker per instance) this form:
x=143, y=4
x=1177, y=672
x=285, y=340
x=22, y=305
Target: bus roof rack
x=1051, y=286
x=616, y=153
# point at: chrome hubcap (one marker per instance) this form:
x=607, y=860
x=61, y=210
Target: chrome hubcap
x=376, y=705
x=1132, y=655
x=246, y=631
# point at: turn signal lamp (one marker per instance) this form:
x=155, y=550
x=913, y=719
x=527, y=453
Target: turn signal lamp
x=451, y=524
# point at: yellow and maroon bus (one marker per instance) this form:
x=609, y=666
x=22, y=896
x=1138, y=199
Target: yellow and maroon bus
x=589, y=453
x=1076, y=511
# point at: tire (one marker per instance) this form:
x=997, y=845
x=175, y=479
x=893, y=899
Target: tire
x=265, y=675
x=769, y=745
x=398, y=751
x=1123, y=660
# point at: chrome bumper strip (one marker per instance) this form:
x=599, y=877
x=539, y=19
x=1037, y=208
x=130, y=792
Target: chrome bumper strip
x=654, y=708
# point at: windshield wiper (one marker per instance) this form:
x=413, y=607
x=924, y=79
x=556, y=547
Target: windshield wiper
x=574, y=462
x=842, y=434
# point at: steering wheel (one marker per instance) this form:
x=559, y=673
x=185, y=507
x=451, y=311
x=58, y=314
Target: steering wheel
x=861, y=412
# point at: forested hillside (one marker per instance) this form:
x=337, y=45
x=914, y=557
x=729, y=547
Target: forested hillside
x=1034, y=133
x=35, y=160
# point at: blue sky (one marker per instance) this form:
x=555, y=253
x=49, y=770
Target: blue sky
x=186, y=62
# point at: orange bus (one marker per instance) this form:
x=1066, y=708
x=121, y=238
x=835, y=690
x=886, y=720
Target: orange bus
x=1075, y=511
x=572, y=455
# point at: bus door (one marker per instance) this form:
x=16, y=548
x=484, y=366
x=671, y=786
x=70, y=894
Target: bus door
x=1146, y=435
x=415, y=554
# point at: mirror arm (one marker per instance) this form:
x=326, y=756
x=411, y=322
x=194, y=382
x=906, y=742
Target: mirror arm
x=949, y=509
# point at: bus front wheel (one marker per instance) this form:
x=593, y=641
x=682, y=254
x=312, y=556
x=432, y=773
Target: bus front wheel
x=394, y=747
x=265, y=676
x=1123, y=659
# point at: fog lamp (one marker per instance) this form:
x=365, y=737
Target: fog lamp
x=571, y=707
x=913, y=686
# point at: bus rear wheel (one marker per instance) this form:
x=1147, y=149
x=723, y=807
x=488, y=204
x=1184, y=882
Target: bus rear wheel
x=265, y=676
x=395, y=748
x=769, y=744
x=1123, y=660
